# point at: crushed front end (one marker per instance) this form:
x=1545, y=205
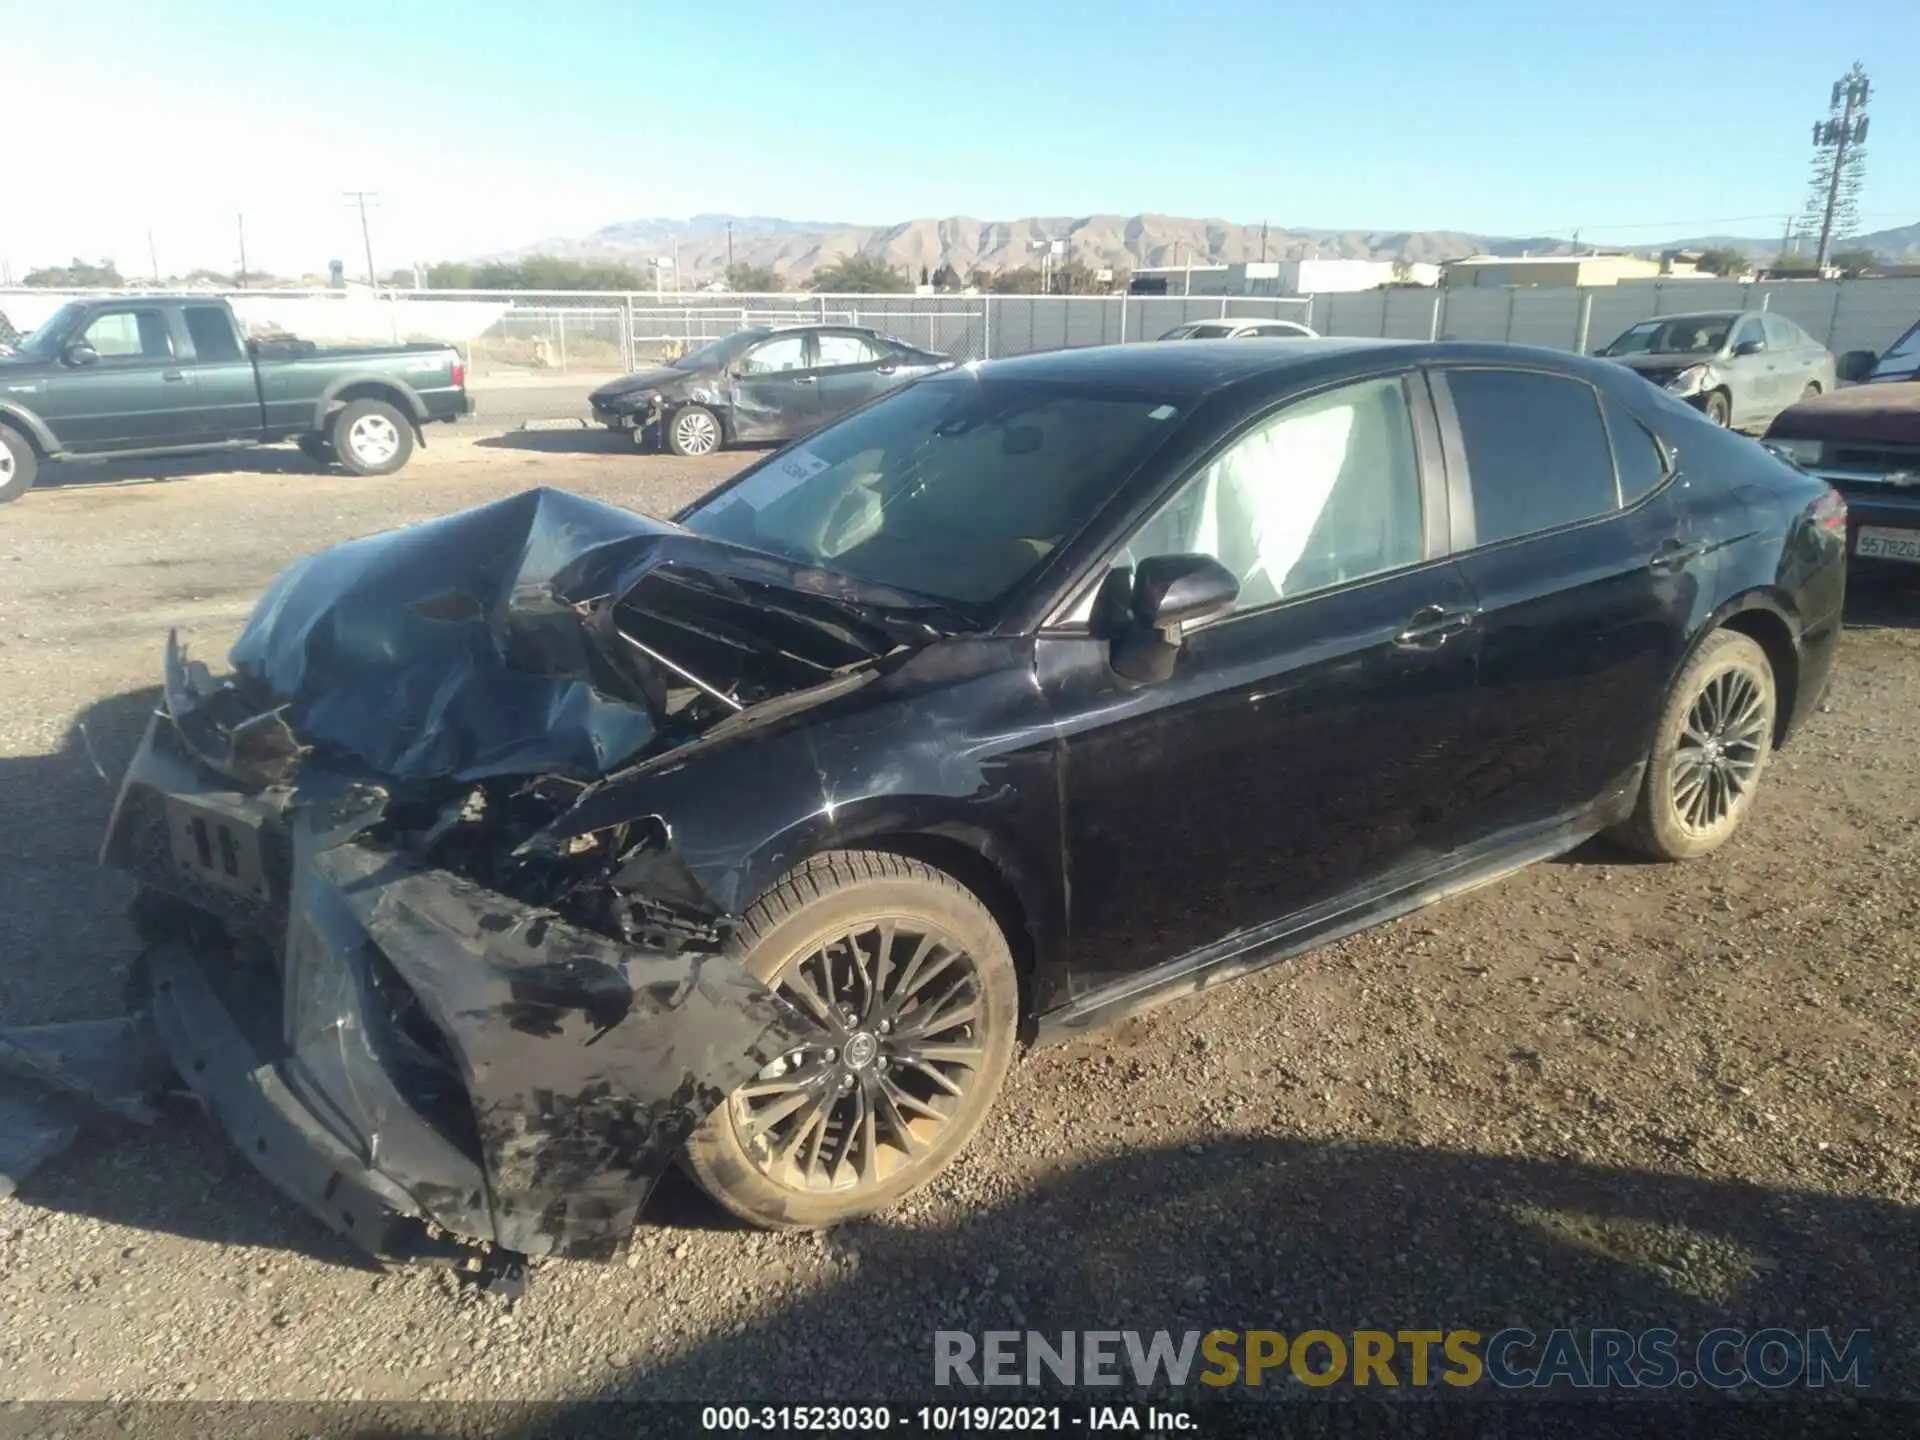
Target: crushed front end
x=435, y=1069
x=445, y=1038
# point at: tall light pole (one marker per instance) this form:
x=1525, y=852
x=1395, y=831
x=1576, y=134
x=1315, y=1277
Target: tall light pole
x=1836, y=171
x=360, y=199
x=243, y=251
x=153, y=257
x=729, y=247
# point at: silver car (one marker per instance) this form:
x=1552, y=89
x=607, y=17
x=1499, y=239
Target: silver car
x=1739, y=367
x=1239, y=328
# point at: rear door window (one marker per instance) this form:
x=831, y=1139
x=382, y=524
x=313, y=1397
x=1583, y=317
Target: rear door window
x=212, y=334
x=1536, y=449
x=841, y=349
x=1782, y=334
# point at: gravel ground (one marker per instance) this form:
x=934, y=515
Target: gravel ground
x=1598, y=1093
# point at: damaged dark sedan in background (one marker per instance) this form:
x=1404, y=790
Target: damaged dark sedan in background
x=531, y=850
x=759, y=384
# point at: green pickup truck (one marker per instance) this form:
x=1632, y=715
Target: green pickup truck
x=162, y=374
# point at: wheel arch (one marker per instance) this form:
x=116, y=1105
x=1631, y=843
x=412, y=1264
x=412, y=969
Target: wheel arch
x=343, y=393
x=32, y=429
x=1770, y=623
x=1011, y=885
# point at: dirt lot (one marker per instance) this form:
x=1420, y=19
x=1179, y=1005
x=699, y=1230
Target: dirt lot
x=1599, y=1093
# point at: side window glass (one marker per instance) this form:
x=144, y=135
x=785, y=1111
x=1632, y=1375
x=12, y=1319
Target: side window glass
x=1641, y=459
x=211, y=333
x=1536, y=450
x=1748, y=329
x=1325, y=492
x=844, y=350
x=786, y=352
x=130, y=335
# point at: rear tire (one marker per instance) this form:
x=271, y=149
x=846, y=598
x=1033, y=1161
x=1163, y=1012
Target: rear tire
x=318, y=449
x=19, y=465
x=1719, y=408
x=877, y=1105
x=694, y=430
x=370, y=437
x=1714, y=739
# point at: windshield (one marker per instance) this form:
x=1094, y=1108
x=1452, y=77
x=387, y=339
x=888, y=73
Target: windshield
x=1680, y=335
x=1180, y=332
x=955, y=488
x=1902, y=360
x=43, y=341
x=717, y=352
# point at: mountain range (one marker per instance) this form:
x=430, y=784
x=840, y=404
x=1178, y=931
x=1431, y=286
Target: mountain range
x=794, y=249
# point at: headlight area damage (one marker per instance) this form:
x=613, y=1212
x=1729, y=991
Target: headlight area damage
x=448, y=1034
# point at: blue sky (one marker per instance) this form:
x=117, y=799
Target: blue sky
x=484, y=124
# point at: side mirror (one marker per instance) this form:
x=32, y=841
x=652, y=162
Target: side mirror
x=80, y=353
x=1749, y=347
x=1170, y=592
x=1856, y=365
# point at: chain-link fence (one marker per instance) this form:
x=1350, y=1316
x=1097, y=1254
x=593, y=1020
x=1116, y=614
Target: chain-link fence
x=515, y=332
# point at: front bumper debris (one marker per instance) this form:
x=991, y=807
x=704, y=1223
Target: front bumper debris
x=434, y=1070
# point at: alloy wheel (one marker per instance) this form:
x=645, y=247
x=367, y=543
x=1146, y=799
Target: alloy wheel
x=696, y=432
x=1720, y=750
x=6, y=465
x=896, y=1010
x=374, y=439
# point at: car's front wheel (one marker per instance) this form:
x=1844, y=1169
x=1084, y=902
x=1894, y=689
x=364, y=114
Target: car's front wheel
x=1709, y=752
x=694, y=430
x=1718, y=407
x=18, y=464
x=912, y=1004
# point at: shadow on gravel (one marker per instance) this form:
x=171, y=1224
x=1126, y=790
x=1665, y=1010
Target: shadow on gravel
x=593, y=440
x=1885, y=601
x=272, y=460
x=1289, y=1235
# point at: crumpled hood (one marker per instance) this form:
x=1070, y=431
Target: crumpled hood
x=1879, y=412
x=653, y=378
x=1660, y=367
x=548, y=634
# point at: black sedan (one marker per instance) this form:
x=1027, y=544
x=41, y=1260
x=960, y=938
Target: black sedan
x=759, y=384
x=535, y=848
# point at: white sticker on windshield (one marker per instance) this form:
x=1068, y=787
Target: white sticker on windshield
x=1160, y=412
x=784, y=474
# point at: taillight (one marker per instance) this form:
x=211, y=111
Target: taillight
x=459, y=376
x=1830, y=511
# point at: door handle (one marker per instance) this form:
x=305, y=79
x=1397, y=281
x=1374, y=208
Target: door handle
x=803, y=379
x=885, y=369
x=173, y=374
x=1431, y=626
x=1674, y=554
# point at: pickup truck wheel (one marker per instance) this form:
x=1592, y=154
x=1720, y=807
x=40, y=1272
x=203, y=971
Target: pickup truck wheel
x=317, y=448
x=18, y=464
x=370, y=437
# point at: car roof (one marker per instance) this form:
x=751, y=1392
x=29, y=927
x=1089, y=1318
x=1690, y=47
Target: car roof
x=1188, y=367
x=1700, y=315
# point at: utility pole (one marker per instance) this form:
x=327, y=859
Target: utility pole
x=360, y=199
x=153, y=257
x=1845, y=126
x=729, y=247
x=243, y=251
x=1263, y=242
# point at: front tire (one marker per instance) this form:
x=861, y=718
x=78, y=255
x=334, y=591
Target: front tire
x=1709, y=752
x=1719, y=408
x=19, y=465
x=694, y=430
x=370, y=437
x=914, y=1004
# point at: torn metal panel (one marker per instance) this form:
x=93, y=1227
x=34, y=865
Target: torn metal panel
x=587, y=1062
x=33, y=1130
x=117, y=1065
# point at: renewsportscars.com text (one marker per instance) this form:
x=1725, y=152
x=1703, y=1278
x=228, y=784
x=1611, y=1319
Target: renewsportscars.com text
x=1511, y=1359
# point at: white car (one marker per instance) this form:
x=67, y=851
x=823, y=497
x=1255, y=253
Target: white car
x=1241, y=329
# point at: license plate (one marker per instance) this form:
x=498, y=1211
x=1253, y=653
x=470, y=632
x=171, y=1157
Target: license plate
x=1881, y=542
x=217, y=845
